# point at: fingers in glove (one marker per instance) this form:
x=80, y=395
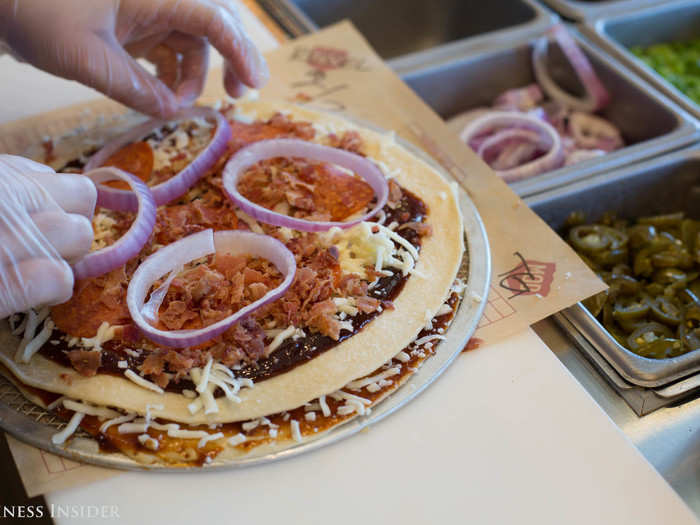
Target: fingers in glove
x=233, y=85
x=69, y=233
x=32, y=283
x=181, y=62
x=167, y=63
x=13, y=164
x=194, y=51
x=117, y=74
x=72, y=192
x=219, y=23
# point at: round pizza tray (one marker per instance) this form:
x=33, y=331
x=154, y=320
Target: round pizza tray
x=32, y=424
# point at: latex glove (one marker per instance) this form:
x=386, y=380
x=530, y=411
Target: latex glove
x=96, y=43
x=44, y=222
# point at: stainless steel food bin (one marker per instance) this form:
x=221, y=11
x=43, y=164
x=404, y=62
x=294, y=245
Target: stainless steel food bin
x=675, y=20
x=661, y=185
x=650, y=123
x=408, y=33
x=590, y=9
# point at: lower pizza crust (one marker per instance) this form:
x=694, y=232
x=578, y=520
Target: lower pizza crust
x=259, y=441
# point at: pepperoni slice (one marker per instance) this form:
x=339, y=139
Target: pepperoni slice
x=135, y=158
x=90, y=306
x=341, y=194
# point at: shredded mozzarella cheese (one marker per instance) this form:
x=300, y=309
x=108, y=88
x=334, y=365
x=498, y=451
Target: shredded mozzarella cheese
x=403, y=357
x=360, y=383
x=280, y=338
x=325, y=409
x=296, y=432
x=144, y=383
x=209, y=437
x=428, y=339
x=101, y=412
x=33, y=346
x=148, y=442
x=60, y=437
x=104, y=333
x=116, y=421
x=237, y=439
x=206, y=381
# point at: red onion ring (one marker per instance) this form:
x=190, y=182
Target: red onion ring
x=506, y=136
x=519, y=99
x=129, y=245
x=498, y=119
x=515, y=154
x=596, y=95
x=592, y=132
x=512, y=147
x=177, y=185
x=193, y=247
x=581, y=155
x=268, y=149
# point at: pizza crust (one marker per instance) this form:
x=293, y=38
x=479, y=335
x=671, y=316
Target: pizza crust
x=359, y=355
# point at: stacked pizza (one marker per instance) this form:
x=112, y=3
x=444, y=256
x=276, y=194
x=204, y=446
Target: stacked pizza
x=260, y=274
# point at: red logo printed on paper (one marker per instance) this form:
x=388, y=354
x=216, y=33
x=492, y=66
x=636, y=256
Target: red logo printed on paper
x=319, y=85
x=529, y=277
x=327, y=58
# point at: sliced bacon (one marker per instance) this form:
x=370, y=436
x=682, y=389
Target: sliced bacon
x=421, y=228
x=154, y=364
x=351, y=284
x=180, y=362
x=349, y=141
x=278, y=126
x=250, y=337
x=321, y=318
x=227, y=354
x=85, y=362
x=367, y=304
x=395, y=194
x=176, y=315
x=229, y=265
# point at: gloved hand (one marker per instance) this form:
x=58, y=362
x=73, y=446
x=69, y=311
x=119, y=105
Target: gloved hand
x=44, y=222
x=96, y=43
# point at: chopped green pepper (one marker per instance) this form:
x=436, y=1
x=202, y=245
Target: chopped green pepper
x=677, y=62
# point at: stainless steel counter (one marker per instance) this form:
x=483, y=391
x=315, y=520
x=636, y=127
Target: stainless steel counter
x=669, y=438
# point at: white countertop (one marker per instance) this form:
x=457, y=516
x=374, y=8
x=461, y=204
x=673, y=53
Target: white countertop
x=505, y=436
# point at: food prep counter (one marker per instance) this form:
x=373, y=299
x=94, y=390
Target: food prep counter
x=453, y=69
x=663, y=422
x=655, y=401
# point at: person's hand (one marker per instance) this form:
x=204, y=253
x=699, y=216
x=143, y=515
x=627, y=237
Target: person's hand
x=44, y=225
x=96, y=43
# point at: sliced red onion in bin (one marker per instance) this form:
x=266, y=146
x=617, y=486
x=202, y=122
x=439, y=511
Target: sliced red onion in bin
x=129, y=245
x=177, y=185
x=596, y=95
x=193, y=247
x=269, y=149
x=548, y=137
